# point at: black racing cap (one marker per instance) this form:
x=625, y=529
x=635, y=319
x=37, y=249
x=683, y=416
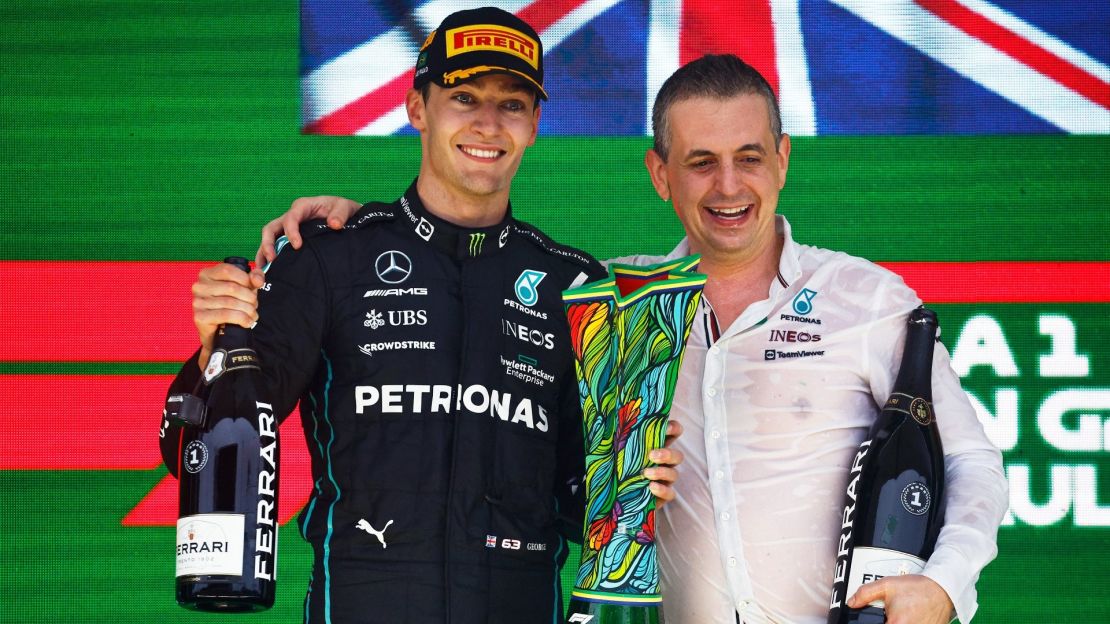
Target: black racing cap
x=472, y=43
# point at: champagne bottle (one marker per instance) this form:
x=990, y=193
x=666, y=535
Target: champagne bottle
x=227, y=481
x=894, y=507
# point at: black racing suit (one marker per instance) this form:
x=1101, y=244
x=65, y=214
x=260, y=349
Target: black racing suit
x=438, y=399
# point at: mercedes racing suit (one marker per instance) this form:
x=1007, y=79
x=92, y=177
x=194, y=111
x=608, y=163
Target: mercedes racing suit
x=439, y=404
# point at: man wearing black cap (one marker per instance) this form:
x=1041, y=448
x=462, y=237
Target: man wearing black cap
x=428, y=348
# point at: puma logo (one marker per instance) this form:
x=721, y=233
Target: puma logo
x=365, y=526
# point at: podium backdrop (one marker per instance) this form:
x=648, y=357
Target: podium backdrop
x=963, y=144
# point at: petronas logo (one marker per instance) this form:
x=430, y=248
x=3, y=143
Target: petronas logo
x=476, y=240
x=526, y=284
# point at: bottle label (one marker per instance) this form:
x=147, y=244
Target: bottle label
x=215, y=366
x=210, y=544
x=221, y=362
x=918, y=408
x=916, y=498
x=195, y=457
x=922, y=411
x=871, y=564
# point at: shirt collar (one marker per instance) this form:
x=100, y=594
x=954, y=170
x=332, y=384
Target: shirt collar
x=454, y=240
x=790, y=267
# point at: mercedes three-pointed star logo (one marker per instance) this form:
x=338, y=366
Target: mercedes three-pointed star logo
x=393, y=267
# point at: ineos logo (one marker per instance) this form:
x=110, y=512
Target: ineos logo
x=393, y=267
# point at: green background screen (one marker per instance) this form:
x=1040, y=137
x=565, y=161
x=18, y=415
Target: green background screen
x=142, y=140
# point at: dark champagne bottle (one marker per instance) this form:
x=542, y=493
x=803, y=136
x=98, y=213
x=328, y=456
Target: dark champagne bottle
x=895, y=501
x=227, y=481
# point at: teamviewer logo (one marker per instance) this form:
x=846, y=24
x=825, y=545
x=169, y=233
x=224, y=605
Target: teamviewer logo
x=769, y=354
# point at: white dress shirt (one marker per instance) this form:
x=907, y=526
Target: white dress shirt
x=754, y=527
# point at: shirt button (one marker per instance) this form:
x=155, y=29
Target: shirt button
x=711, y=392
x=714, y=350
x=715, y=434
x=719, y=474
x=732, y=564
x=724, y=515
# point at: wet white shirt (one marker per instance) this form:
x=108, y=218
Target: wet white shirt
x=774, y=410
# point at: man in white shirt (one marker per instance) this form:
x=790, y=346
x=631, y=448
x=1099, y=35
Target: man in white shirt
x=794, y=350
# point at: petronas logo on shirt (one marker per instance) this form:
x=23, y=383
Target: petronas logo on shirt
x=803, y=302
x=476, y=240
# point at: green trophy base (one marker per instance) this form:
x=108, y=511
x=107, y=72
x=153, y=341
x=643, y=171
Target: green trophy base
x=586, y=612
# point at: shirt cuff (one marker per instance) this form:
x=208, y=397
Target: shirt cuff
x=948, y=569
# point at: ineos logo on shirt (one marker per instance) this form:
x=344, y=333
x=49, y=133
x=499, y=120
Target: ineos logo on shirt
x=785, y=335
x=393, y=267
x=533, y=336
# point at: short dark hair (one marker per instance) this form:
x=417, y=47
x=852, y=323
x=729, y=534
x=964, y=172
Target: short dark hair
x=718, y=76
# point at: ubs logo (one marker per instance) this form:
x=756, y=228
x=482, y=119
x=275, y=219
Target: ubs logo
x=393, y=267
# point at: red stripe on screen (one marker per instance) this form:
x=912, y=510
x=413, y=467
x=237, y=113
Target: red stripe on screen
x=97, y=311
x=1006, y=282
x=86, y=422
x=743, y=28
x=81, y=422
x=141, y=312
x=1044, y=61
x=363, y=111
x=111, y=422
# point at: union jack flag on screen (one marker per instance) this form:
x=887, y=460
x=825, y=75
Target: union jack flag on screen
x=838, y=66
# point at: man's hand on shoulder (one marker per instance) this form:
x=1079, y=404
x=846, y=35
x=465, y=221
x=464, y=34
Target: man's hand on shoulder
x=909, y=599
x=337, y=210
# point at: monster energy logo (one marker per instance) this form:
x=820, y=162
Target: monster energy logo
x=476, y=240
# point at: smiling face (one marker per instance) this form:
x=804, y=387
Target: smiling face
x=473, y=137
x=724, y=174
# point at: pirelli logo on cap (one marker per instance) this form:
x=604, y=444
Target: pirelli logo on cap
x=494, y=38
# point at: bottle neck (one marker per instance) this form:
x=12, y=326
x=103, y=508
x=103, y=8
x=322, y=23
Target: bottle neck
x=915, y=373
x=231, y=337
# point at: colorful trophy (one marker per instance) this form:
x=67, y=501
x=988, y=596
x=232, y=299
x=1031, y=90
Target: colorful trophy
x=628, y=333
